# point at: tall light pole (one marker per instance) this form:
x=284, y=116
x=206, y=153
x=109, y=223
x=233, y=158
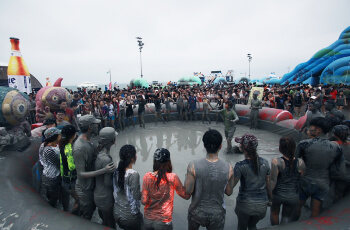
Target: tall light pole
x=249, y=59
x=139, y=40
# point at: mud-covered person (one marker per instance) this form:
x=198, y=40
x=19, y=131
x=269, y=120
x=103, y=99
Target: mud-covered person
x=316, y=180
x=84, y=153
x=311, y=114
x=342, y=184
x=255, y=105
x=207, y=206
x=103, y=192
x=284, y=181
x=254, y=193
x=127, y=191
x=230, y=118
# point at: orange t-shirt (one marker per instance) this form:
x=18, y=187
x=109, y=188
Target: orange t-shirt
x=159, y=201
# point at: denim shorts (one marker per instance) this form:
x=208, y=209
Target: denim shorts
x=307, y=189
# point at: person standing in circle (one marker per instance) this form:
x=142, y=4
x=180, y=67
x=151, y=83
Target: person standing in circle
x=127, y=192
x=158, y=109
x=158, y=192
x=68, y=172
x=141, y=110
x=84, y=153
x=254, y=192
x=206, y=105
x=285, y=174
x=230, y=118
x=319, y=155
x=185, y=107
x=130, y=111
x=49, y=156
x=219, y=105
x=103, y=192
x=207, y=180
x=255, y=105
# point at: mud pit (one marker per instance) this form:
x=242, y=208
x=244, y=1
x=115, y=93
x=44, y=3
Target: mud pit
x=184, y=141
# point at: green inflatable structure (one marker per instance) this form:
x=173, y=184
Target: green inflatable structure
x=193, y=80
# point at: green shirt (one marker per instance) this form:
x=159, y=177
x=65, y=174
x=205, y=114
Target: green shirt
x=71, y=174
x=228, y=116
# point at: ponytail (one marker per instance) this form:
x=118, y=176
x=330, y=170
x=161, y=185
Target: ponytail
x=252, y=154
x=126, y=154
x=287, y=148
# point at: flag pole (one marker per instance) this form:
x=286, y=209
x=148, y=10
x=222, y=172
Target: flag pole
x=110, y=76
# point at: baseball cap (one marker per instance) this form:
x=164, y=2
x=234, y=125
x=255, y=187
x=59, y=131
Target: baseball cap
x=161, y=155
x=88, y=120
x=108, y=133
x=249, y=141
x=50, y=132
x=68, y=131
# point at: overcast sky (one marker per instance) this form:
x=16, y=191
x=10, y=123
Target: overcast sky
x=81, y=40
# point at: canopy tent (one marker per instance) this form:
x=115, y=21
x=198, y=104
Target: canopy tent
x=88, y=85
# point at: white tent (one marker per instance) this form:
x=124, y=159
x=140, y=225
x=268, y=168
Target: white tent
x=88, y=86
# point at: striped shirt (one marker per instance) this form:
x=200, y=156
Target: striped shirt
x=49, y=157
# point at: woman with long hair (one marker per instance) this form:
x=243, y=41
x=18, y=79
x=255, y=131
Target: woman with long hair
x=254, y=193
x=95, y=109
x=49, y=156
x=68, y=172
x=284, y=181
x=127, y=191
x=158, y=192
x=103, y=192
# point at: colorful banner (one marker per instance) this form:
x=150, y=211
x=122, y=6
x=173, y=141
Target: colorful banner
x=254, y=89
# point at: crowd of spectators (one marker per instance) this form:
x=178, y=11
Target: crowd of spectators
x=113, y=106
